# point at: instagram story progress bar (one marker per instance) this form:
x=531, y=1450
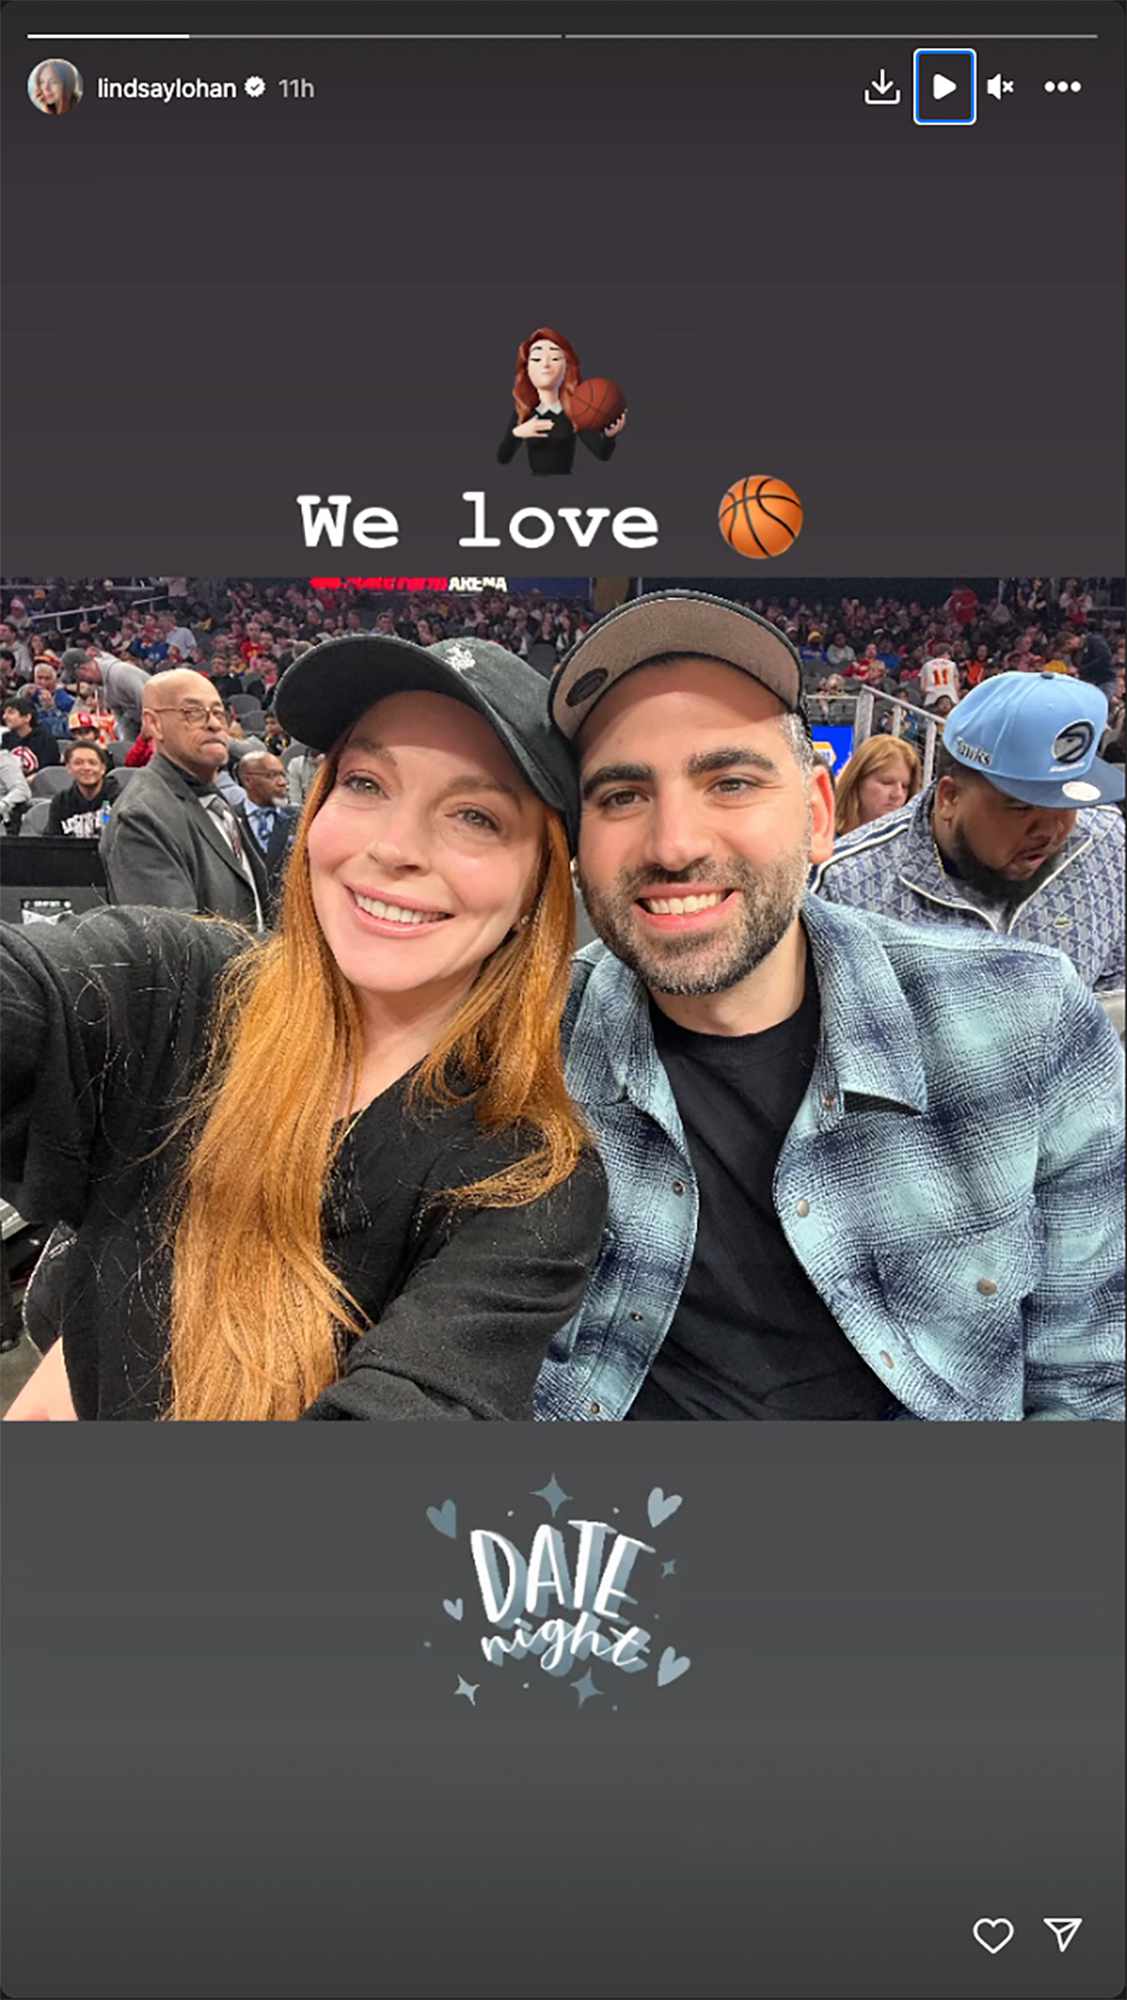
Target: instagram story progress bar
x=944, y=87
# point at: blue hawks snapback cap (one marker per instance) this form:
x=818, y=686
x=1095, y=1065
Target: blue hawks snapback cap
x=1035, y=736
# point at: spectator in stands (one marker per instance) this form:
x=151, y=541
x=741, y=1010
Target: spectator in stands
x=179, y=636
x=267, y=1228
x=150, y=645
x=172, y=839
x=123, y=686
x=140, y=752
x=25, y=735
x=13, y=642
x=867, y=666
x=882, y=774
x=1091, y=660
x=15, y=792
x=55, y=704
x=270, y=819
x=939, y=684
x=839, y=653
x=978, y=664
x=1009, y=839
x=72, y=663
x=300, y=773
x=79, y=811
x=83, y=728
x=856, y=1169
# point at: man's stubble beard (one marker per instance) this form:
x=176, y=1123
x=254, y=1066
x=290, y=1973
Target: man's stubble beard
x=687, y=965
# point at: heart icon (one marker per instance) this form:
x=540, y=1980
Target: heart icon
x=670, y=1668
x=993, y=1933
x=444, y=1518
x=659, y=1508
x=452, y=1607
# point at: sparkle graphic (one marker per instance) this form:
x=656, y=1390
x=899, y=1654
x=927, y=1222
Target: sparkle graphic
x=553, y=1493
x=585, y=1688
x=465, y=1688
x=669, y=1568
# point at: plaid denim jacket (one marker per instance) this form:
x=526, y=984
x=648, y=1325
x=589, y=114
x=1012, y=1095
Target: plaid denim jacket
x=952, y=1183
x=892, y=866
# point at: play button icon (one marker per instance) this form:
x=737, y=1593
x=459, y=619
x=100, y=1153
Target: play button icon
x=944, y=87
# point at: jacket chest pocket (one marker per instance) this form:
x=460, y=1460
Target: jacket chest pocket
x=970, y=1283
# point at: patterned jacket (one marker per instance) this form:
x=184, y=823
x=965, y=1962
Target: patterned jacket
x=892, y=866
x=951, y=1183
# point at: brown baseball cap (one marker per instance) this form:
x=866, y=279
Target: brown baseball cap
x=663, y=623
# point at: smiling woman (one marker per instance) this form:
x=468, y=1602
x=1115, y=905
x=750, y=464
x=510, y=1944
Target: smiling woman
x=336, y=1174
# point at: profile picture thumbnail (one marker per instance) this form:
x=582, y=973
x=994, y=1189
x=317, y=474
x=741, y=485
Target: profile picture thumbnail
x=54, y=87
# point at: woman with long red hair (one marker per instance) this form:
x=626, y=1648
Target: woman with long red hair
x=547, y=375
x=336, y=1173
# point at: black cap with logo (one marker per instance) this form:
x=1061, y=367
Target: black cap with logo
x=329, y=688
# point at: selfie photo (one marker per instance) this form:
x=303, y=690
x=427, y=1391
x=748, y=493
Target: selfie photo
x=586, y=1000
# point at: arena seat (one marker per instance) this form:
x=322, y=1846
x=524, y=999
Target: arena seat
x=35, y=818
x=55, y=778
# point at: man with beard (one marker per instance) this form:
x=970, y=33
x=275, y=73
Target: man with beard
x=1013, y=838
x=857, y=1169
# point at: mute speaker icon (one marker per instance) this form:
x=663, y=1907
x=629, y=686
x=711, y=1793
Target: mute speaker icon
x=999, y=84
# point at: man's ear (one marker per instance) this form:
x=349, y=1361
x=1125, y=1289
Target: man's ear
x=821, y=813
x=946, y=793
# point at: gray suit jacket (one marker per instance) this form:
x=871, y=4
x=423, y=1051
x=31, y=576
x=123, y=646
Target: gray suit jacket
x=162, y=847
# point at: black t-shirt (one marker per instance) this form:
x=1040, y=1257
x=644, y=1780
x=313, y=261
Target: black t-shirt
x=751, y=1338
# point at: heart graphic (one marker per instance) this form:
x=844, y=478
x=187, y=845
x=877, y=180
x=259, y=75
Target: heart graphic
x=659, y=1507
x=670, y=1668
x=993, y=1933
x=444, y=1518
x=452, y=1607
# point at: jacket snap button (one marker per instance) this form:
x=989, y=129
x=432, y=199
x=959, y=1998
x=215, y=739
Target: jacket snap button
x=678, y=1187
x=804, y=1208
x=595, y=1409
x=829, y=1100
x=637, y=1316
x=987, y=1287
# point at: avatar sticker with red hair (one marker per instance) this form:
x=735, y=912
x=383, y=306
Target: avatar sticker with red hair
x=555, y=406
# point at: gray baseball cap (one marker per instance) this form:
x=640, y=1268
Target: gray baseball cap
x=666, y=622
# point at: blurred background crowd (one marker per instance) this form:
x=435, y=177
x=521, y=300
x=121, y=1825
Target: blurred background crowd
x=75, y=653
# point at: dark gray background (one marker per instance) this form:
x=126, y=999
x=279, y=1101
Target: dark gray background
x=215, y=307
x=233, y=1767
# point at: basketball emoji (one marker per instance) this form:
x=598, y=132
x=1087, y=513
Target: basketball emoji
x=595, y=404
x=760, y=515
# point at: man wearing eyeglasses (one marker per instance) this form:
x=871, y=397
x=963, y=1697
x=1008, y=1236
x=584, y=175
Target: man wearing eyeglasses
x=172, y=839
